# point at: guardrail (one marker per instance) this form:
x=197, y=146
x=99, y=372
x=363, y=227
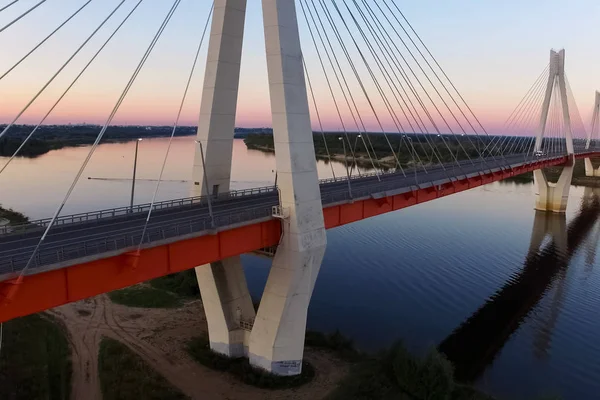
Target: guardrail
x=138, y=208
x=53, y=254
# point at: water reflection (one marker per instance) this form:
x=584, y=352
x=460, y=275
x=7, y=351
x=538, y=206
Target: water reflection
x=477, y=341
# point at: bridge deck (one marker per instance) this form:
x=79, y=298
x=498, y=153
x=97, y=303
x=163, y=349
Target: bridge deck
x=86, y=256
x=80, y=236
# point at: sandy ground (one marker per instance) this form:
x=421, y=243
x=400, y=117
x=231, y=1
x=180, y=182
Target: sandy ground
x=159, y=336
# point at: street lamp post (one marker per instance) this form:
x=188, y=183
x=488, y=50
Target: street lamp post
x=137, y=143
x=346, y=164
x=354, y=152
x=208, y=195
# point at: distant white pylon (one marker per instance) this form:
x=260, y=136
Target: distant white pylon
x=594, y=133
x=556, y=76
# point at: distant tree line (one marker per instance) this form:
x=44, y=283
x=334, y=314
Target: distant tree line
x=52, y=137
x=408, y=148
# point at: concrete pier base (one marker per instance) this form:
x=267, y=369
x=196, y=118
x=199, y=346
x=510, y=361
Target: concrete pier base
x=590, y=170
x=549, y=196
x=227, y=305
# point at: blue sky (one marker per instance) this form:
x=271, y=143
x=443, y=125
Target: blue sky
x=492, y=50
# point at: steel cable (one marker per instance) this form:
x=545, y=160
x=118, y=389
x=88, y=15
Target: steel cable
x=100, y=135
x=175, y=125
x=20, y=16
x=16, y=153
x=60, y=70
x=45, y=39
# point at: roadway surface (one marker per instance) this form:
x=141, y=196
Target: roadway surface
x=99, y=235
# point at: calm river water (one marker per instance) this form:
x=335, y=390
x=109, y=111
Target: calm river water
x=457, y=271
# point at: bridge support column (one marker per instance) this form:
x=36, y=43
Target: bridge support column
x=593, y=137
x=223, y=287
x=277, y=338
x=227, y=305
x=550, y=196
x=590, y=170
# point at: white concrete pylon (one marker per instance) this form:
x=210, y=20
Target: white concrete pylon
x=277, y=338
x=593, y=138
x=227, y=302
x=550, y=196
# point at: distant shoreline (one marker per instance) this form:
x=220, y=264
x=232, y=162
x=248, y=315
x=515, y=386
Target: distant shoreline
x=55, y=137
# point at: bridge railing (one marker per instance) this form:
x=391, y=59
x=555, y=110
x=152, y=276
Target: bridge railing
x=126, y=238
x=138, y=208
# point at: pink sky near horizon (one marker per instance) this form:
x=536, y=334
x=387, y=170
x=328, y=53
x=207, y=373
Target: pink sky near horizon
x=490, y=81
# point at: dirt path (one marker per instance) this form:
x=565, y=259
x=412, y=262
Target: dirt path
x=159, y=336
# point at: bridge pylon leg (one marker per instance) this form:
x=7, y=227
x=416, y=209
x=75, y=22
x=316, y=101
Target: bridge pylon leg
x=550, y=196
x=277, y=338
x=593, y=137
x=225, y=296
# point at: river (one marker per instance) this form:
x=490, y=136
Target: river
x=416, y=275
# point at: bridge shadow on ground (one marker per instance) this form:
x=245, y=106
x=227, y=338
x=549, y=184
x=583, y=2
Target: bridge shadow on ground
x=477, y=341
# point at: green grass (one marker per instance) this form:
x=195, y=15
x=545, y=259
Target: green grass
x=125, y=375
x=240, y=368
x=183, y=284
x=145, y=297
x=35, y=362
x=13, y=216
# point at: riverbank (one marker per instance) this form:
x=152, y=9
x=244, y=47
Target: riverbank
x=387, y=161
x=55, y=137
x=12, y=217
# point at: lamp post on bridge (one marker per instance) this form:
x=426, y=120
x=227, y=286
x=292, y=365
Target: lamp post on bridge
x=137, y=144
x=354, y=152
x=346, y=164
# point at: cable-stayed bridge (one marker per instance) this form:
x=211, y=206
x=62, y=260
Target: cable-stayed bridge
x=361, y=60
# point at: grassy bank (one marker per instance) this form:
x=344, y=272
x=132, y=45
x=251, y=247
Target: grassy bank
x=35, y=363
x=182, y=284
x=145, y=297
x=125, y=375
x=240, y=368
x=13, y=216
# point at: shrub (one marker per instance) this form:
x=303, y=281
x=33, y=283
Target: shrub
x=144, y=297
x=428, y=379
x=35, y=362
x=183, y=284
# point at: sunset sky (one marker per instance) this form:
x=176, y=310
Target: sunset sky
x=492, y=50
